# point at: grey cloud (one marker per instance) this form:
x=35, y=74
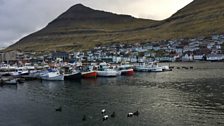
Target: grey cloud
x=21, y=17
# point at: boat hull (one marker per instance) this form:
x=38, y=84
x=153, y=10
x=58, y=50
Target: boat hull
x=149, y=69
x=158, y=69
x=142, y=69
x=128, y=72
x=107, y=73
x=74, y=76
x=9, y=81
x=91, y=74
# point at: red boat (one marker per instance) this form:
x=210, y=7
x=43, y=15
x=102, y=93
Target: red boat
x=89, y=74
x=127, y=72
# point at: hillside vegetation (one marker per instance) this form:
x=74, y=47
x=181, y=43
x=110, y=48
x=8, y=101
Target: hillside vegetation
x=82, y=28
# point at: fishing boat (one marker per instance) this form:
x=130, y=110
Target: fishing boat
x=105, y=71
x=149, y=67
x=28, y=66
x=126, y=69
x=8, y=80
x=52, y=75
x=11, y=82
x=20, y=71
x=89, y=74
x=33, y=74
x=71, y=74
x=166, y=68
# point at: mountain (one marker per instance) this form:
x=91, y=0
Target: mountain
x=199, y=18
x=81, y=27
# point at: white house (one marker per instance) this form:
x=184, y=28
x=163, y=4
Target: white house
x=215, y=57
x=198, y=57
x=117, y=59
x=187, y=57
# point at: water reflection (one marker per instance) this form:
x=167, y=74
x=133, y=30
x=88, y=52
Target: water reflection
x=179, y=97
x=52, y=86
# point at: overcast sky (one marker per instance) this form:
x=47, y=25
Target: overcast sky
x=19, y=18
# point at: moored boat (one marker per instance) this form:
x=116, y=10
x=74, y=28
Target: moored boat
x=126, y=70
x=8, y=80
x=52, y=75
x=150, y=67
x=105, y=71
x=89, y=74
x=20, y=71
x=166, y=68
x=73, y=76
x=70, y=73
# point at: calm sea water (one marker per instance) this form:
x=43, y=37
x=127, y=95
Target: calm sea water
x=177, y=98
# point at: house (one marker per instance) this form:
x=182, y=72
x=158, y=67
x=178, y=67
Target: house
x=215, y=57
x=117, y=59
x=148, y=46
x=156, y=47
x=187, y=57
x=141, y=59
x=199, y=57
x=10, y=56
x=2, y=57
x=166, y=59
x=178, y=50
x=60, y=55
x=133, y=60
x=215, y=37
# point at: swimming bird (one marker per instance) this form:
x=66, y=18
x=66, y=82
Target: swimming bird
x=130, y=114
x=84, y=118
x=112, y=115
x=105, y=117
x=59, y=109
x=103, y=111
x=136, y=113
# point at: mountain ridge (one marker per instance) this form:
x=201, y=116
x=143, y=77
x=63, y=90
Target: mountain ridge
x=81, y=27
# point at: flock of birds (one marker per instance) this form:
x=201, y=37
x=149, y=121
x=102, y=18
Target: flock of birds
x=103, y=111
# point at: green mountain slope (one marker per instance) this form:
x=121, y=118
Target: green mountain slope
x=81, y=27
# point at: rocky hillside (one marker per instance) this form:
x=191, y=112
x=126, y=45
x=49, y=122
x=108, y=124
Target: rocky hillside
x=81, y=27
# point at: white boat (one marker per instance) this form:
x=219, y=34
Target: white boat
x=105, y=71
x=150, y=67
x=20, y=71
x=166, y=68
x=52, y=75
x=33, y=74
x=28, y=66
x=7, y=67
x=9, y=80
x=126, y=69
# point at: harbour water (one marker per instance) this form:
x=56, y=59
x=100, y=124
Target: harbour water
x=181, y=97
